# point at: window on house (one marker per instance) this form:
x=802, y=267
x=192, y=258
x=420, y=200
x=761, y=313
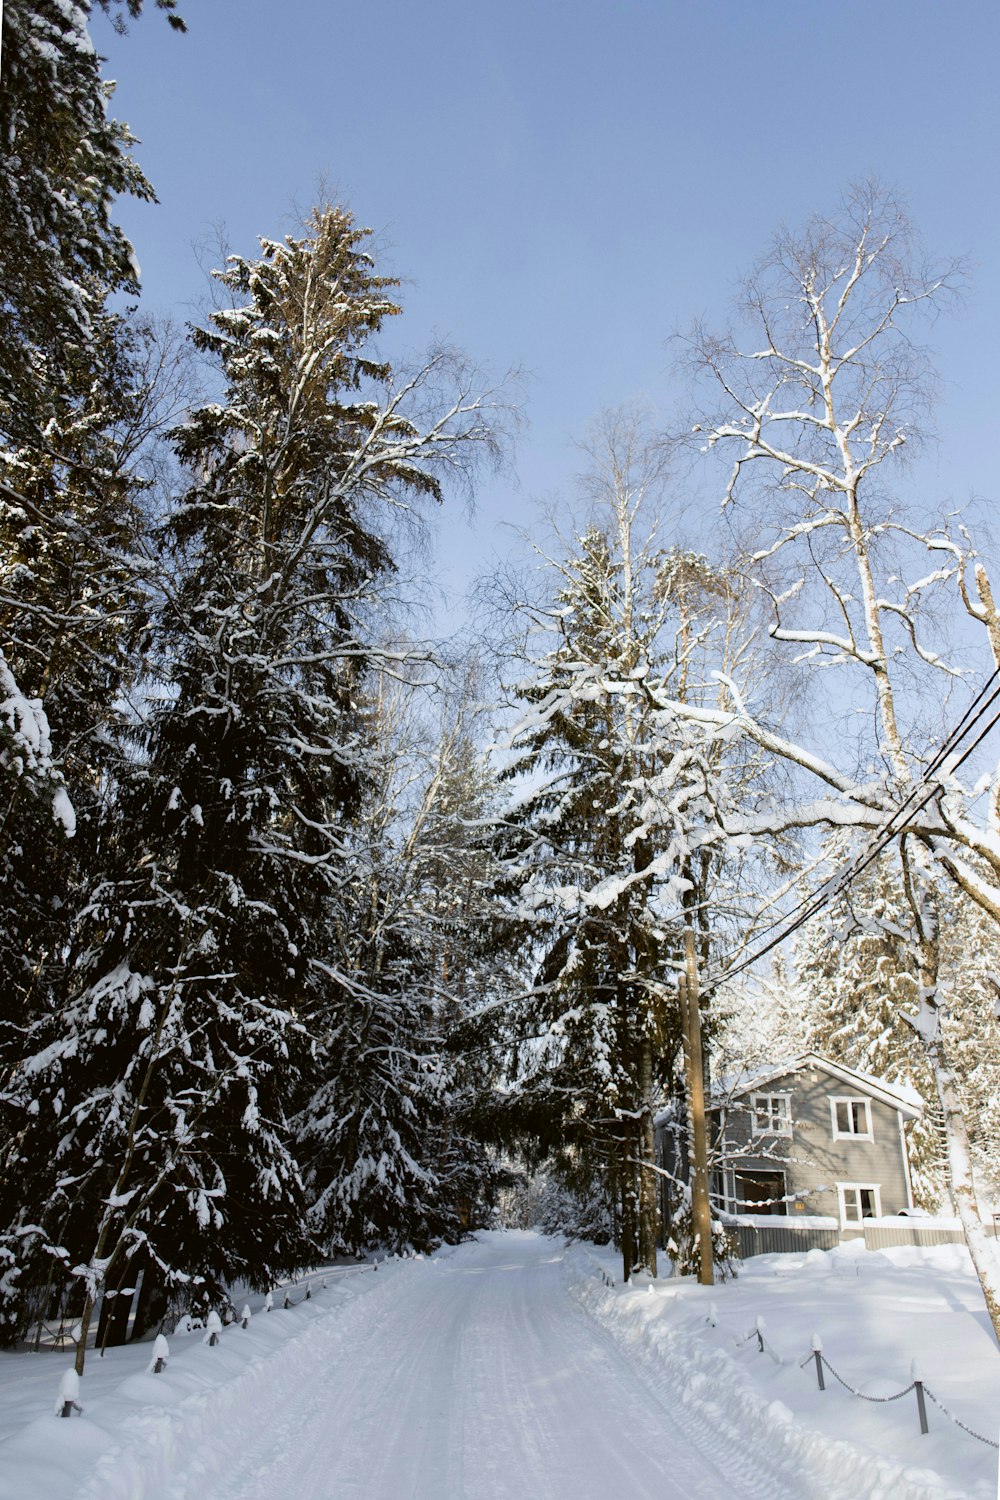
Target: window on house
x=760, y=1193
x=852, y=1119
x=772, y=1114
x=858, y=1201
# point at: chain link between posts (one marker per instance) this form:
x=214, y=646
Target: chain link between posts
x=757, y=1333
x=952, y=1418
x=884, y=1400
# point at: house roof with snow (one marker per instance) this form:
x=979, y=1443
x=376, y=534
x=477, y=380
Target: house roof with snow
x=901, y=1096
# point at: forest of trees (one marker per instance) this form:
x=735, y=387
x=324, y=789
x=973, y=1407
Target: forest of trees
x=310, y=937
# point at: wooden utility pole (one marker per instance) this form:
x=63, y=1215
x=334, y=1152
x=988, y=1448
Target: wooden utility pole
x=701, y=1213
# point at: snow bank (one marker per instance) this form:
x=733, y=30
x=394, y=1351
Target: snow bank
x=875, y=1312
x=208, y=1404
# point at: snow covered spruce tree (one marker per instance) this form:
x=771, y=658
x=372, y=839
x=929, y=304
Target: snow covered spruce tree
x=60, y=257
x=816, y=415
x=65, y=160
x=74, y=603
x=384, y=1138
x=75, y=406
x=619, y=810
x=154, y=1103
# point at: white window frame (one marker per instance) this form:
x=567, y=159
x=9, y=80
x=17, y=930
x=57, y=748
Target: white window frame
x=784, y=1125
x=851, y=1135
x=857, y=1187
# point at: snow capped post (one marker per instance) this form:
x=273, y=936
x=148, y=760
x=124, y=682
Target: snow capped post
x=161, y=1353
x=213, y=1327
x=245, y=1315
x=918, y=1386
x=817, y=1350
x=68, y=1399
x=269, y=1302
x=759, y=1327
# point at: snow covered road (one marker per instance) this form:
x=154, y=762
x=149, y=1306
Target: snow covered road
x=508, y=1368
x=478, y=1376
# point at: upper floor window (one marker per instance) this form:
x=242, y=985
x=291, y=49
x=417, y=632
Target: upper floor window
x=772, y=1114
x=852, y=1119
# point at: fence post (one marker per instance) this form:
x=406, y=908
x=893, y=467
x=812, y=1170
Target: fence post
x=759, y=1326
x=817, y=1349
x=269, y=1302
x=213, y=1327
x=69, y=1393
x=161, y=1353
x=921, y=1403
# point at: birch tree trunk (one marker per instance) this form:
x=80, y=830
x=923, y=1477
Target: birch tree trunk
x=926, y=1022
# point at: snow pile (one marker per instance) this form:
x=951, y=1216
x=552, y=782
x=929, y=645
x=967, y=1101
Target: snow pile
x=875, y=1314
x=209, y=1402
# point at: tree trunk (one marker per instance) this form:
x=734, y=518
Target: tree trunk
x=629, y=1245
x=649, y=1198
x=927, y=1025
x=960, y=1182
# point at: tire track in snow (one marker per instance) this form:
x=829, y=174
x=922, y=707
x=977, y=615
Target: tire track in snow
x=478, y=1376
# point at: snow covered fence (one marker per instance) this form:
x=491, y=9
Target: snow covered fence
x=599, y=1269
x=684, y=1337
x=757, y=1332
x=818, y=1358
x=916, y=1385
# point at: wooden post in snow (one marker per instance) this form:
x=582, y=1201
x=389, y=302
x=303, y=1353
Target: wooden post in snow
x=701, y=1212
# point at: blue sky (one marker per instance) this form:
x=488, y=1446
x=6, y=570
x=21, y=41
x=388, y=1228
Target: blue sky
x=562, y=186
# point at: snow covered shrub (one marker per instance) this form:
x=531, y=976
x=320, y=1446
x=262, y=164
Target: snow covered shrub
x=682, y=1247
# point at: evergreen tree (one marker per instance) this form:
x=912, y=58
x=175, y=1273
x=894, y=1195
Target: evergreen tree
x=74, y=408
x=389, y=1158
x=64, y=162
x=620, y=808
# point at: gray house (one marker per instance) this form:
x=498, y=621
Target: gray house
x=810, y=1137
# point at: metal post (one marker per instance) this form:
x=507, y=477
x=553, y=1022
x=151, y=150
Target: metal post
x=701, y=1211
x=921, y=1405
x=817, y=1349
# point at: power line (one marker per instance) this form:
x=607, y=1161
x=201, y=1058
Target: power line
x=950, y=743
x=808, y=906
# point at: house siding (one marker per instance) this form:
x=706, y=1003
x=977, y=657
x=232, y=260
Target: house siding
x=765, y=1239
x=814, y=1161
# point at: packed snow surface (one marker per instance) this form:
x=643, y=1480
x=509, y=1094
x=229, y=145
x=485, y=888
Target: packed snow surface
x=510, y=1368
